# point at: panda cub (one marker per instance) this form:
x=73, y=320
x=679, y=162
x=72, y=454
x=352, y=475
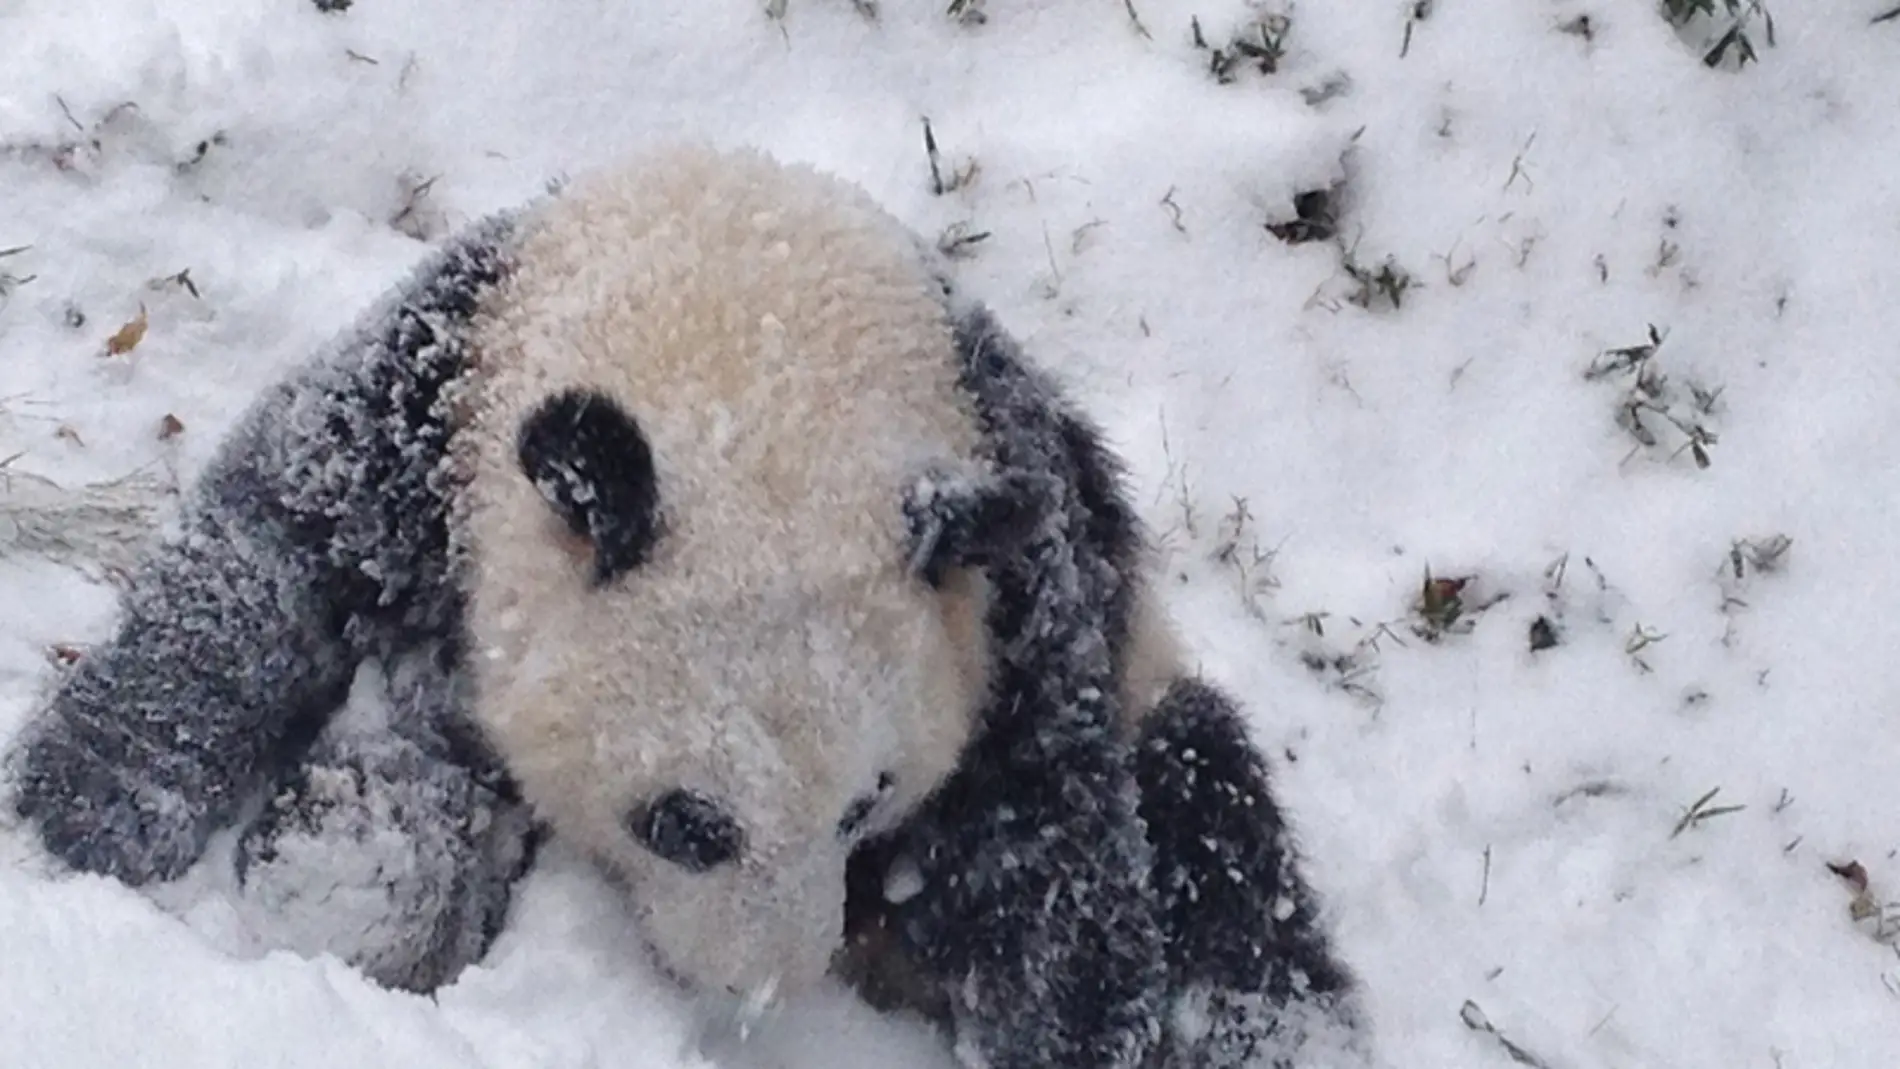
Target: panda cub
x=691, y=516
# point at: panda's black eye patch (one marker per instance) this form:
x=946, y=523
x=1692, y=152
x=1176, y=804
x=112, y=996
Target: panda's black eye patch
x=588, y=458
x=688, y=829
x=864, y=805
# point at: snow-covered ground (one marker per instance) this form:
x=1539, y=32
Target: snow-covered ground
x=1505, y=835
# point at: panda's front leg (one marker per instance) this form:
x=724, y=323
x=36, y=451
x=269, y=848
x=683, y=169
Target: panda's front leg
x=1036, y=913
x=316, y=534
x=395, y=845
x=225, y=646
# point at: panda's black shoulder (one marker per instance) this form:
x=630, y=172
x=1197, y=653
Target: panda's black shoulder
x=345, y=461
x=1029, y=423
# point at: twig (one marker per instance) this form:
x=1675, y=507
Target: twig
x=1697, y=813
x=1474, y=1019
x=1135, y=18
x=1517, y=165
x=103, y=522
x=68, y=112
x=930, y=150
x=1174, y=210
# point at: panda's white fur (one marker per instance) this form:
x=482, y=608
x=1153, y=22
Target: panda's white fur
x=785, y=356
x=868, y=555
x=1155, y=658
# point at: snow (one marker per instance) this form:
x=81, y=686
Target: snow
x=1489, y=824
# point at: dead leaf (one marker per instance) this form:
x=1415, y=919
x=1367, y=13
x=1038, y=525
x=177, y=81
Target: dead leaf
x=1864, y=905
x=181, y=279
x=64, y=655
x=127, y=337
x=1853, y=872
x=170, y=427
x=70, y=433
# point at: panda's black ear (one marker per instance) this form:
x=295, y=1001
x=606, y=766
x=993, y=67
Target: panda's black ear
x=972, y=523
x=593, y=466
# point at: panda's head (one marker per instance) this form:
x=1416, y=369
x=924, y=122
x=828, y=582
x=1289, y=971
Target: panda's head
x=722, y=500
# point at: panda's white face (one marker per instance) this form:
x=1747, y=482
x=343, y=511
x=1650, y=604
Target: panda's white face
x=698, y=642
x=722, y=756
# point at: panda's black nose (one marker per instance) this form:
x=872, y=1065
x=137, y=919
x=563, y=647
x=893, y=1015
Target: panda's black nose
x=688, y=829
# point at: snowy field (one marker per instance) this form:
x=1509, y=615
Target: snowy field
x=1579, y=811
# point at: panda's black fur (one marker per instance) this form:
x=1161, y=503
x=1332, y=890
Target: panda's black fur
x=1236, y=923
x=1078, y=893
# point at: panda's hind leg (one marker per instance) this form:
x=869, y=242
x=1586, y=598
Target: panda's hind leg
x=397, y=842
x=1252, y=970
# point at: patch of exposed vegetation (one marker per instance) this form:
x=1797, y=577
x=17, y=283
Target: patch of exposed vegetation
x=1659, y=413
x=1258, y=44
x=1723, y=32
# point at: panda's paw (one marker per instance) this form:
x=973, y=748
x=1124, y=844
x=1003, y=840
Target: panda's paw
x=1216, y=1028
x=101, y=803
x=957, y=521
x=405, y=877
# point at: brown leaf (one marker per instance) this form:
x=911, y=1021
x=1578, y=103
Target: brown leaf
x=1439, y=599
x=127, y=337
x=64, y=655
x=1865, y=905
x=70, y=433
x=170, y=427
x=1853, y=872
